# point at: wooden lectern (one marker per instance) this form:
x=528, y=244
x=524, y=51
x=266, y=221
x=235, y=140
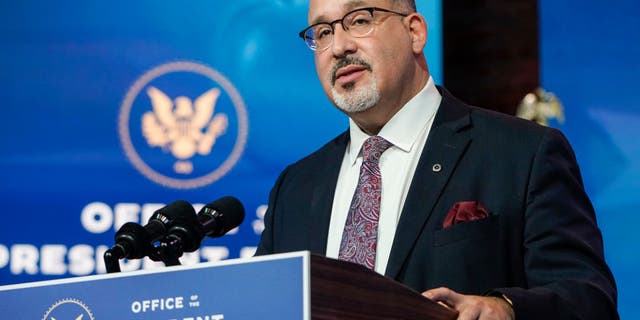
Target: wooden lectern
x=296, y=286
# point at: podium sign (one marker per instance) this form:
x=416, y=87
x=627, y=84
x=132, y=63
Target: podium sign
x=272, y=287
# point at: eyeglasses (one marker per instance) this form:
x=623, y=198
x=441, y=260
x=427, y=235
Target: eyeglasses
x=357, y=23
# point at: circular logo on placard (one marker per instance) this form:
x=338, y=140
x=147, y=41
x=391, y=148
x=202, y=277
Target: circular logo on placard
x=68, y=309
x=183, y=125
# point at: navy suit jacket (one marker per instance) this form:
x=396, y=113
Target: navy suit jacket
x=540, y=245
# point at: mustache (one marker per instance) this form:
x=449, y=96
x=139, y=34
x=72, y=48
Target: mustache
x=346, y=62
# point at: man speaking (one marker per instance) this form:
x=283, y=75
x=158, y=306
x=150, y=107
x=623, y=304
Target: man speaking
x=480, y=211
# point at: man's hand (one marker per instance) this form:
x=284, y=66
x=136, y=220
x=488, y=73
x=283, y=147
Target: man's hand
x=472, y=307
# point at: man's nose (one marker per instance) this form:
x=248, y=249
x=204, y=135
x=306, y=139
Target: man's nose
x=343, y=44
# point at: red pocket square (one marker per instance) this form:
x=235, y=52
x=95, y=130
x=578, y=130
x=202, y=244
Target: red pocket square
x=464, y=211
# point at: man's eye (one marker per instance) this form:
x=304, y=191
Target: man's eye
x=361, y=21
x=322, y=33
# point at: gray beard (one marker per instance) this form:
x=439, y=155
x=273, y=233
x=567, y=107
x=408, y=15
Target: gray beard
x=357, y=100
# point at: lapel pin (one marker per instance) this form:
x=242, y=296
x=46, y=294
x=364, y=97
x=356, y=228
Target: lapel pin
x=436, y=167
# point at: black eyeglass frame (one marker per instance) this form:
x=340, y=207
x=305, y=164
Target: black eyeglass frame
x=302, y=34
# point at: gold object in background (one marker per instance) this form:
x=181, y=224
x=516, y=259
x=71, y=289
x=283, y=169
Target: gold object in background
x=180, y=129
x=541, y=106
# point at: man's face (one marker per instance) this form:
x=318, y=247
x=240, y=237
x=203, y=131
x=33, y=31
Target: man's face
x=359, y=73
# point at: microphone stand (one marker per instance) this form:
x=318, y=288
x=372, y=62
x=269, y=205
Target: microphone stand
x=112, y=258
x=168, y=253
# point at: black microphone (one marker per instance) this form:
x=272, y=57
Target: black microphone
x=134, y=241
x=214, y=220
x=221, y=216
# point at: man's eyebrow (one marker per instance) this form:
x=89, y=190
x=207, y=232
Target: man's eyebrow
x=347, y=7
x=321, y=18
x=354, y=5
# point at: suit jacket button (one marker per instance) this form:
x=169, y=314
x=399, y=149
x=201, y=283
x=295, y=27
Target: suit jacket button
x=436, y=167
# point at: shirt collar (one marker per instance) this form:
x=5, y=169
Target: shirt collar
x=403, y=129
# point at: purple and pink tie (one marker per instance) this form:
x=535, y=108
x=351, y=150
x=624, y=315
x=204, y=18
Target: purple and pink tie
x=359, y=239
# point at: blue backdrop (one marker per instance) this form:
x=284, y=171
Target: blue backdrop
x=78, y=159
x=590, y=60
x=89, y=143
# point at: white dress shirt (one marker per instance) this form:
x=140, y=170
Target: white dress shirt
x=407, y=131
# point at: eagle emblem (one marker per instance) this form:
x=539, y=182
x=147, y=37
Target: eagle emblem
x=182, y=127
x=541, y=106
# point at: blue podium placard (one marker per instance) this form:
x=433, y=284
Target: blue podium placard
x=273, y=287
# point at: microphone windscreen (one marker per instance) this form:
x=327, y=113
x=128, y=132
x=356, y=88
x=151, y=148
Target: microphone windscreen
x=176, y=209
x=232, y=211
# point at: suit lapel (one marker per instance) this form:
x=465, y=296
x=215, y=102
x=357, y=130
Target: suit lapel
x=445, y=145
x=328, y=169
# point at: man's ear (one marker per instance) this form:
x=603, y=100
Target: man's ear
x=418, y=30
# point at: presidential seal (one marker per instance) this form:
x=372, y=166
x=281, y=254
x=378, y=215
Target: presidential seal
x=68, y=309
x=183, y=125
